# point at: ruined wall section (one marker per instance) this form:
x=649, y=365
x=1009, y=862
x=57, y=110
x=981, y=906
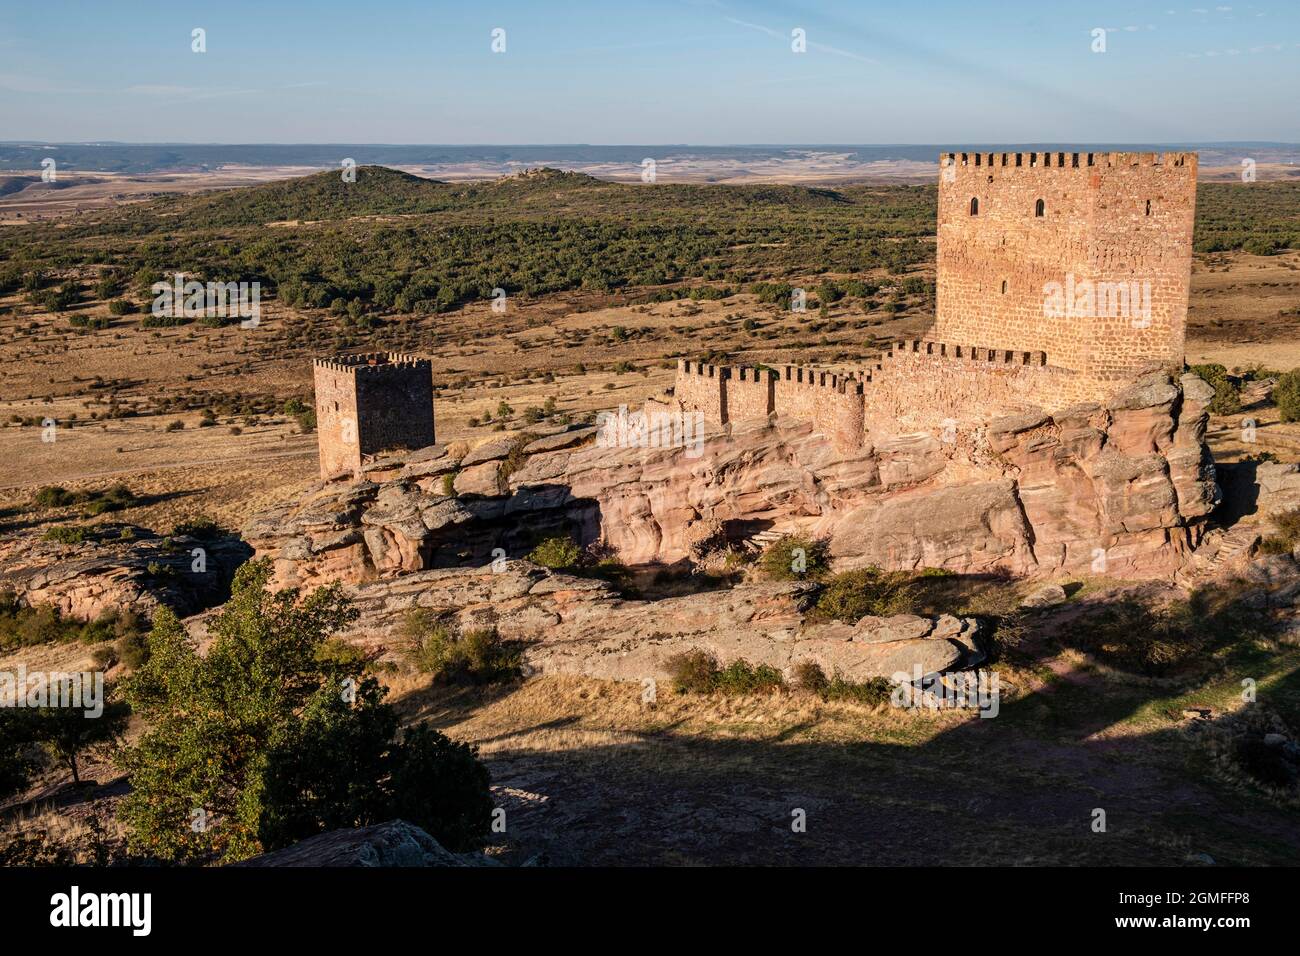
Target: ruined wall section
x=831, y=401
x=1116, y=218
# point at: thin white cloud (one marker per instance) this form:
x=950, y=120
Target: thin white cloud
x=812, y=44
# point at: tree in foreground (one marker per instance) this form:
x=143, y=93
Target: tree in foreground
x=266, y=740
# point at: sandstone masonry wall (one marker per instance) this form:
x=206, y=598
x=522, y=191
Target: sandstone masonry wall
x=750, y=393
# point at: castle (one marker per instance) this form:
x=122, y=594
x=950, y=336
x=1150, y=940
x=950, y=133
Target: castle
x=370, y=403
x=1061, y=277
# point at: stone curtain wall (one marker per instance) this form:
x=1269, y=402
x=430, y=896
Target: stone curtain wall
x=918, y=386
x=750, y=393
x=370, y=403
x=994, y=265
x=923, y=385
x=832, y=402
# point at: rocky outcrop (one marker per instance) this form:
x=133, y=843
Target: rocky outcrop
x=396, y=843
x=141, y=573
x=576, y=625
x=1121, y=489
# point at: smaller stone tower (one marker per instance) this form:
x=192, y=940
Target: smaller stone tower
x=370, y=403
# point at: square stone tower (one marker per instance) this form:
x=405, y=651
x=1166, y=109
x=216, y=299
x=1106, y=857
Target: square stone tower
x=370, y=403
x=1084, y=256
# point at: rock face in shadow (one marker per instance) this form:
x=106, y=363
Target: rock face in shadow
x=84, y=580
x=395, y=843
x=1121, y=489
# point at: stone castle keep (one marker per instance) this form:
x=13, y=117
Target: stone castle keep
x=370, y=403
x=1061, y=277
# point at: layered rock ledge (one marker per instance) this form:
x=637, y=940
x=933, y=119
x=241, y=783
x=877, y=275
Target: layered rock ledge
x=1121, y=489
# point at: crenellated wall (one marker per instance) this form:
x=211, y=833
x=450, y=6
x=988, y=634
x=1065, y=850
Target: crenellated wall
x=831, y=401
x=701, y=387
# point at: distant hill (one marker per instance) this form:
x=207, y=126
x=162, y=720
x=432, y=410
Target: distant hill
x=379, y=191
x=156, y=157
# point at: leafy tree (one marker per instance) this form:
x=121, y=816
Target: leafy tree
x=560, y=553
x=267, y=740
x=794, y=558
x=67, y=733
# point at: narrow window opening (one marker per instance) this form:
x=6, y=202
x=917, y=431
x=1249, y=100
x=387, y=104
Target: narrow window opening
x=1004, y=286
x=1148, y=207
x=974, y=206
x=1039, y=208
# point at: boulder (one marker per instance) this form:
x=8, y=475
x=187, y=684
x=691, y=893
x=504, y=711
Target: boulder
x=1049, y=595
x=484, y=480
x=493, y=450
x=395, y=843
x=563, y=440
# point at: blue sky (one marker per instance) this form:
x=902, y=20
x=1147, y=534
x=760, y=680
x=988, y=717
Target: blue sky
x=657, y=71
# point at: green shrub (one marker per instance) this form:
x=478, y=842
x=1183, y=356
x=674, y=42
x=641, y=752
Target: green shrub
x=53, y=496
x=1286, y=395
x=1227, y=391
x=449, y=484
x=853, y=595
x=475, y=657
x=795, y=558
x=132, y=649
x=441, y=786
x=200, y=526
x=693, y=672
x=65, y=534
x=697, y=672
x=1288, y=536
x=872, y=692
x=808, y=676
x=559, y=554
x=741, y=677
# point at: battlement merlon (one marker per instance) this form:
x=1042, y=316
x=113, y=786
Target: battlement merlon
x=1182, y=161
x=369, y=361
x=970, y=352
